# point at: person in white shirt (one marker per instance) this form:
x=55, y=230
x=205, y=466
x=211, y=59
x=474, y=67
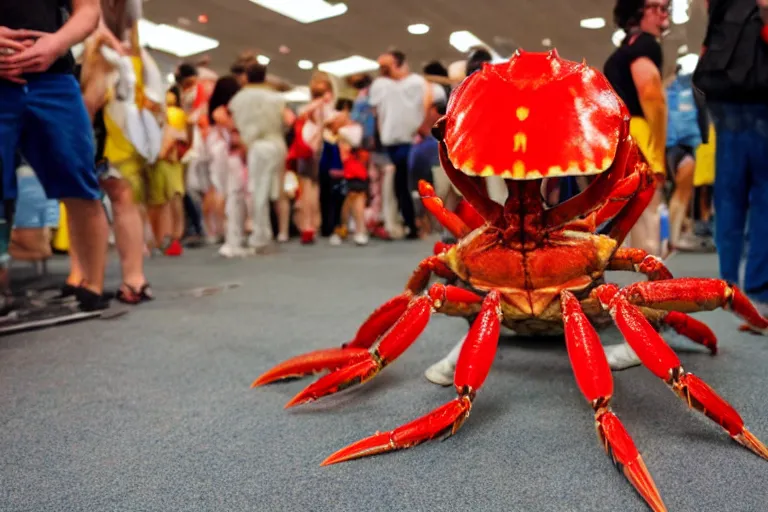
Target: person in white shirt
x=401, y=100
x=259, y=115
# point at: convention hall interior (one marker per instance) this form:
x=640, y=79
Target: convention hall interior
x=333, y=256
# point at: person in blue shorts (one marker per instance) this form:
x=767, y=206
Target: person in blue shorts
x=43, y=116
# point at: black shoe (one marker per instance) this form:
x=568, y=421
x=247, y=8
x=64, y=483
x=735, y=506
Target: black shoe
x=90, y=301
x=67, y=290
x=413, y=235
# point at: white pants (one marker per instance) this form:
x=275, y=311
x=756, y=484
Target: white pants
x=266, y=161
x=389, y=208
x=646, y=234
x=234, y=177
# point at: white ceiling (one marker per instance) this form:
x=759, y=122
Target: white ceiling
x=372, y=26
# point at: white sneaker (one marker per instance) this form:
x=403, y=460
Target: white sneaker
x=335, y=239
x=282, y=238
x=232, y=252
x=360, y=239
x=441, y=373
x=621, y=356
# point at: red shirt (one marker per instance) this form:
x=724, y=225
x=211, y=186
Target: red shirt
x=354, y=170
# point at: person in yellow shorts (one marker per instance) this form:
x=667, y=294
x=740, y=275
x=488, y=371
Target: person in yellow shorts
x=166, y=181
x=120, y=164
x=634, y=71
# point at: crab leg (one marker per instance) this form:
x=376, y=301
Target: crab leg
x=622, y=194
x=637, y=260
x=623, y=221
x=396, y=341
x=478, y=198
x=691, y=294
x=594, y=196
x=593, y=376
x=663, y=362
x=472, y=368
x=372, y=329
x=447, y=218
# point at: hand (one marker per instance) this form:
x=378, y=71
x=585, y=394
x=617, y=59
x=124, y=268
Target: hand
x=11, y=43
x=37, y=58
x=13, y=75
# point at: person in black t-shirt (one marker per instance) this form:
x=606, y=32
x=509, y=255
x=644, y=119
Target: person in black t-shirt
x=45, y=118
x=634, y=71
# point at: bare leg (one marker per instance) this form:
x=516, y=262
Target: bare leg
x=30, y=244
x=177, y=217
x=160, y=219
x=129, y=231
x=88, y=232
x=283, y=210
x=358, y=212
x=681, y=198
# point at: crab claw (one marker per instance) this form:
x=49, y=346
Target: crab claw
x=392, y=345
x=620, y=446
x=446, y=419
x=312, y=362
x=339, y=380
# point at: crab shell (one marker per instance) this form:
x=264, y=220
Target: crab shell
x=532, y=117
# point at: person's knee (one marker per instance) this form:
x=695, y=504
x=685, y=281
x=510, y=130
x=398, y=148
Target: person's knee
x=120, y=194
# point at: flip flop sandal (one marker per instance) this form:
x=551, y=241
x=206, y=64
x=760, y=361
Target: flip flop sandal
x=133, y=296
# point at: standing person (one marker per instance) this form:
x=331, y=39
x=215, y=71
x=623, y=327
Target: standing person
x=736, y=90
x=218, y=142
x=165, y=194
x=119, y=176
x=258, y=112
x=307, y=150
x=634, y=71
x=402, y=100
x=684, y=136
x=43, y=115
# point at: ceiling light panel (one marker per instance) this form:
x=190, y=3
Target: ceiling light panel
x=463, y=40
x=679, y=13
x=592, y=23
x=418, y=29
x=297, y=94
x=306, y=64
x=304, y=11
x=173, y=40
x=348, y=66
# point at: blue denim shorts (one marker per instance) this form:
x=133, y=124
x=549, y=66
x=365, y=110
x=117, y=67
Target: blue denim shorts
x=33, y=208
x=46, y=121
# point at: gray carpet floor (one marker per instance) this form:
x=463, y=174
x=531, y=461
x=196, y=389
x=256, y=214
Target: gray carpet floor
x=153, y=411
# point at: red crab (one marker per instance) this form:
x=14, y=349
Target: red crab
x=538, y=269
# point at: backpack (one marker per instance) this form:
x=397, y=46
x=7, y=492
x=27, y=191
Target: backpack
x=734, y=66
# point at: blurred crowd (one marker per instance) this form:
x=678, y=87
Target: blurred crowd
x=225, y=160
